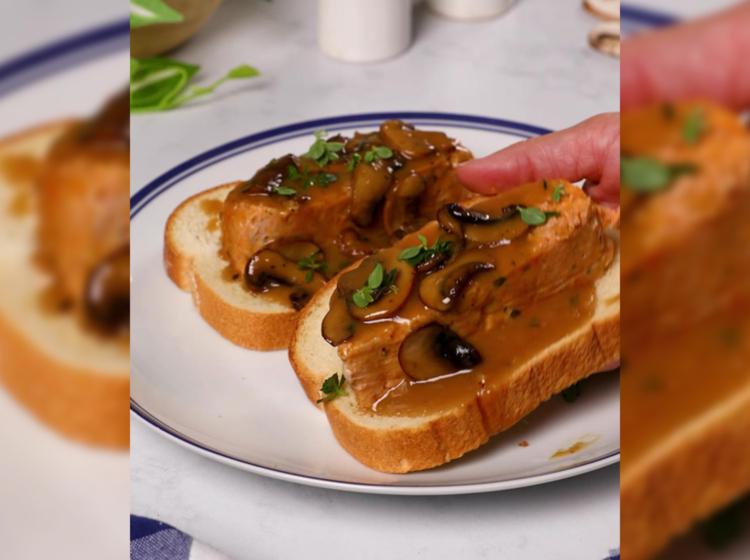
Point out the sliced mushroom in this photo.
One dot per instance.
(338, 324)
(413, 143)
(441, 289)
(402, 206)
(605, 37)
(479, 226)
(107, 296)
(605, 9)
(370, 182)
(434, 351)
(268, 269)
(386, 303)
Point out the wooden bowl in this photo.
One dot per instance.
(157, 39)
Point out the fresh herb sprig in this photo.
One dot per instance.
(378, 283)
(373, 154)
(161, 84)
(149, 12)
(422, 252)
(322, 179)
(558, 193)
(311, 264)
(322, 151)
(535, 216)
(333, 387)
(695, 125)
(283, 191)
(648, 175)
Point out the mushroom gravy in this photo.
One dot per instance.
(84, 232)
(449, 332)
(299, 221)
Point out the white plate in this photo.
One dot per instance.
(60, 499)
(246, 408)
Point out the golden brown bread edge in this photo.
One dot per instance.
(245, 328)
(694, 474)
(75, 402)
(433, 441)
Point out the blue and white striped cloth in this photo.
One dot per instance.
(154, 540)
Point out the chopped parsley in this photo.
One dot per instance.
(354, 162)
(377, 284)
(648, 175)
(312, 265)
(724, 528)
(558, 193)
(322, 179)
(324, 152)
(373, 154)
(333, 387)
(535, 216)
(284, 191)
(694, 126)
(415, 255)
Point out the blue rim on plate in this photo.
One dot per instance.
(173, 177)
(61, 55)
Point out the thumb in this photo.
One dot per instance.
(589, 150)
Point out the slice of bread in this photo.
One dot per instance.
(76, 382)
(403, 444)
(703, 467)
(191, 258)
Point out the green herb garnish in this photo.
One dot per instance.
(322, 179)
(284, 191)
(415, 255)
(648, 175)
(149, 12)
(572, 393)
(378, 283)
(535, 216)
(378, 152)
(558, 193)
(158, 84)
(354, 162)
(312, 265)
(324, 152)
(694, 126)
(333, 387)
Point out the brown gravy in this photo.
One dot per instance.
(663, 387)
(510, 343)
(536, 287)
(588, 441)
(347, 209)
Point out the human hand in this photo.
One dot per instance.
(589, 150)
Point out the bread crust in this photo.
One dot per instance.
(243, 327)
(677, 485)
(84, 405)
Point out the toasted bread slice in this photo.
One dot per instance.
(76, 382)
(403, 444)
(192, 242)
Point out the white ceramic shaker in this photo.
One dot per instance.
(470, 9)
(364, 30)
